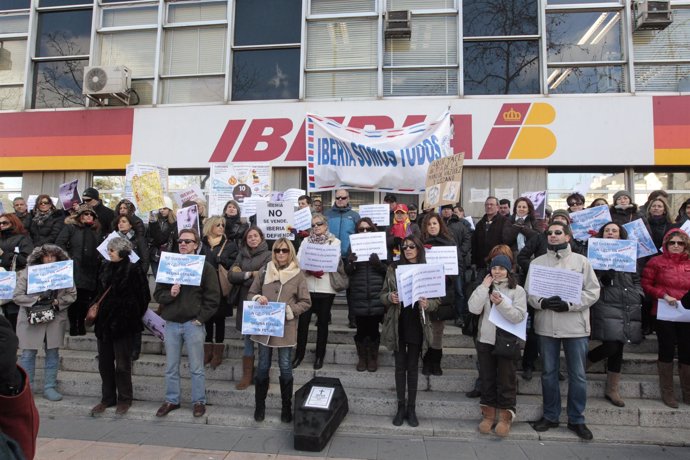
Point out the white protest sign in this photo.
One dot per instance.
(319, 257)
(637, 231)
(589, 219)
(180, 269)
(193, 193)
(549, 282)
(444, 255)
(404, 283)
(686, 227)
(292, 194)
(103, 249)
(275, 219)
(378, 213)
(424, 280)
(668, 312)
(266, 319)
(248, 206)
(302, 219)
(610, 254)
(8, 281)
(498, 320)
(367, 243)
(44, 277)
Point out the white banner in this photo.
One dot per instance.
(275, 219)
(319, 257)
(387, 159)
(365, 244)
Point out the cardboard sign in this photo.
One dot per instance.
(444, 181)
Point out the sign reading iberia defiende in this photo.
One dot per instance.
(385, 159)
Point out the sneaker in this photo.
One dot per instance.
(581, 430)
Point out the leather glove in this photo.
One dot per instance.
(289, 315)
(352, 258)
(303, 234)
(606, 277)
(592, 232)
(317, 274)
(374, 259)
(555, 304)
(10, 377)
(428, 246)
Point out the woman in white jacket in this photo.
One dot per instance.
(498, 374)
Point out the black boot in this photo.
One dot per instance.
(260, 392)
(302, 336)
(286, 398)
(400, 415)
(411, 415)
(412, 380)
(436, 362)
(426, 362)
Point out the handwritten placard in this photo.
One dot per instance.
(319, 257)
(589, 219)
(44, 277)
(378, 213)
(8, 282)
(103, 249)
(444, 255)
(180, 269)
(610, 254)
(275, 219)
(444, 181)
(549, 282)
(302, 219)
(365, 244)
(266, 319)
(638, 231)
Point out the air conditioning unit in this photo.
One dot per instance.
(652, 15)
(398, 24)
(106, 80)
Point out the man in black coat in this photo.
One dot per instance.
(487, 234)
(106, 216)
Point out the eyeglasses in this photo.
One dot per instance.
(670, 243)
(554, 232)
(5, 223)
(181, 241)
(405, 247)
(44, 202)
(87, 200)
(341, 198)
(365, 229)
(281, 250)
(575, 203)
(316, 224)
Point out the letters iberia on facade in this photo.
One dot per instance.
(626, 130)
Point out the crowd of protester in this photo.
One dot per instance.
(494, 260)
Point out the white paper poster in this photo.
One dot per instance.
(177, 268)
(44, 277)
(504, 193)
(498, 320)
(637, 231)
(421, 280)
(478, 195)
(444, 255)
(319, 257)
(103, 249)
(266, 319)
(589, 219)
(292, 194)
(367, 243)
(275, 219)
(302, 219)
(667, 312)
(237, 181)
(378, 213)
(610, 254)
(549, 282)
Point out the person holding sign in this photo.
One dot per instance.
(406, 331)
(49, 335)
(162, 233)
(185, 309)
(435, 233)
(616, 317)
(624, 210)
(15, 247)
(281, 280)
(559, 322)
(666, 277)
(498, 373)
(322, 295)
(366, 280)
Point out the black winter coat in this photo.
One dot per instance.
(8, 243)
(48, 231)
(366, 282)
(485, 237)
(126, 302)
(617, 315)
(235, 228)
(162, 236)
(81, 244)
(449, 298)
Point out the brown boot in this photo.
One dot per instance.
(684, 372)
(611, 392)
(488, 418)
(361, 355)
(505, 420)
(208, 353)
(217, 356)
(666, 384)
(373, 356)
(247, 372)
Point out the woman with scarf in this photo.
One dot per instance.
(15, 247)
(234, 225)
(281, 280)
(47, 221)
(659, 218)
(436, 233)
(322, 294)
(126, 297)
(253, 255)
(80, 238)
(127, 208)
(406, 331)
(162, 234)
(400, 228)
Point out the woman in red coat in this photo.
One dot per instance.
(667, 277)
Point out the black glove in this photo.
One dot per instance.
(10, 377)
(352, 258)
(554, 303)
(374, 259)
(606, 277)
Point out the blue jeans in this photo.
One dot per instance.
(284, 362)
(193, 337)
(575, 359)
(248, 346)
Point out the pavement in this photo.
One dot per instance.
(79, 437)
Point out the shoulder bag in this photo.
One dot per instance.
(223, 274)
(339, 279)
(41, 312)
(507, 345)
(92, 314)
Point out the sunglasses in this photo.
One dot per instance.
(317, 224)
(44, 202)
(279, 250)
(575, 203)
(364, 229)
(341, 198)
(5, 223)
(180, 241)
(405, 247)
(670, 243)
(87, 200)
(554, 232)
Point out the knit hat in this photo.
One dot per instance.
(90, 193)
(561, 213)
(501, 261)
(621, 193)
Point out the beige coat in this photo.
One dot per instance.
(290, 288)
(480, 304)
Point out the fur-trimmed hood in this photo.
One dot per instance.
(46, 250)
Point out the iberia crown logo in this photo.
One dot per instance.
(519, 133)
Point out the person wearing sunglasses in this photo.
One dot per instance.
(342, 219)
(185, 309)
(15, 247)
(281, 280)
(47, 221)
(406, 331)
(322, 295)
(616, 317)
(91, 198)
(575, 202)
(80, 237)
(366, 275)
(561, 323)
(667, 277)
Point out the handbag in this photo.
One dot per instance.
(471, 325)
(507, 345)
(442, 313)
(92, 314)
(41, 312)
(339, 279)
